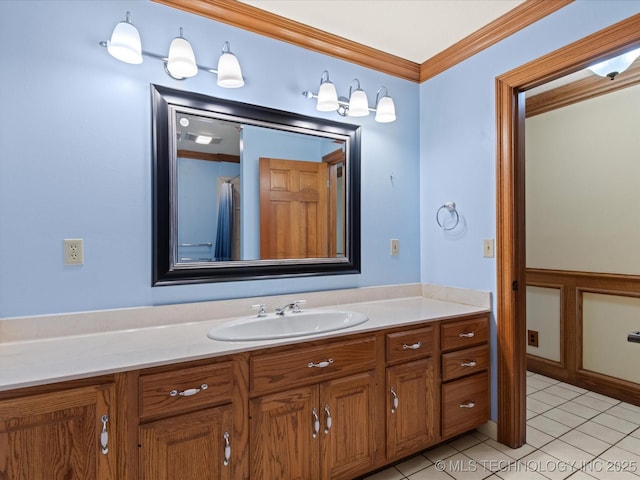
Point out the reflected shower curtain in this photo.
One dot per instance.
(225, 223)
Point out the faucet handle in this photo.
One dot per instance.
(296, 305)
(261, 309)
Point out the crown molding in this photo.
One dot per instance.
(528, 12)
(580, 90)
(265, 23)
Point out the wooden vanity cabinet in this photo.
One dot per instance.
(465, 374)
(59, 435)
(186, 426)
(411, 392)
(312, 415)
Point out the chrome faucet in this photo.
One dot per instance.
(294, 307)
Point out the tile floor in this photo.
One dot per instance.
(571, 433)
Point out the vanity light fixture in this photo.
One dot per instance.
(180, 63)
(616, 65)
(356, 105)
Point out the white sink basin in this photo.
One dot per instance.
(306, 322)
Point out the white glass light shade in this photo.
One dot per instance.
(615, 65)
(229, 72)
(125, 44)
(181, 62)
(385, 110)
(327, 97)
(358, 104)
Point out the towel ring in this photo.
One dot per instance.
(451, 207)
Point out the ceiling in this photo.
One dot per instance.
(415, 30)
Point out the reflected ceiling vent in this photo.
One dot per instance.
(202, 139)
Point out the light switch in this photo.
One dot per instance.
(488, 248)
(395, 246)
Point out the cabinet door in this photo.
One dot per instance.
(284, 435)
(348, 426)
(411, 425)
(56, 436)
(187, 447)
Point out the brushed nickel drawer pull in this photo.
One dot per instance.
(316, 423)
(329, 421)
(188, 392)
(324, 364)
(470, 363)
(395, 400)
(227, 449)
(468, 405)
(467, 334)
(415, 346)
(104, 435)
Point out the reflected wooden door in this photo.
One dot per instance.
(293, 209)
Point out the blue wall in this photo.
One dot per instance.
(75, 130)
(458, 142)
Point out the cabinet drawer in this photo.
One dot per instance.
(271, 372)
(410, 345)
(465, 362)
(184, 389)
(464, 333)
(465, 404)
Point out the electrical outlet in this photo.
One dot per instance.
(395, 246)
(532, 338)
(73, 251)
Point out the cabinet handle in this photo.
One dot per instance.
(104, 435)
(324, 364)
(227, 449)
(471, 363)
(316, 423)
(329, 422)
(467, 334)
(415, 346)
(395, 400)
(468, 405)
(188, 392)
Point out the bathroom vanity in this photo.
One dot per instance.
(333, 406)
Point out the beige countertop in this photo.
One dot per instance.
(35, 361)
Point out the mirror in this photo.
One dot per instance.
(247, 192)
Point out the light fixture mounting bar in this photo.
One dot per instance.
(164, 59)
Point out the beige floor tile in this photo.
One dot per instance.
(549, 426)
(572, 387)
(604, 398)
(592, 402)
(462, 467)
(546, 465)
(520, 472)
(630, 444)
(636, 433)
(621, 459)
(413, 465)
(614, 422)
(548, 398)
(489, 457)
(531, 414)
(430, 473)
(564, 417)
(579, 409)
(388, 474)
(629, 406)
(562, 392)
(537, 406)
(625, 414)
(515, 453)
(601, 432)
(439, 453)
(580, 475)
(542, 378)
(585, 442)
(465, 442)
(567, 453)
(536, 438)
(536, 384)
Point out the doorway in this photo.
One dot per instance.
(510, 209)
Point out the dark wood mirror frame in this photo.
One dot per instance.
(165, 272)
